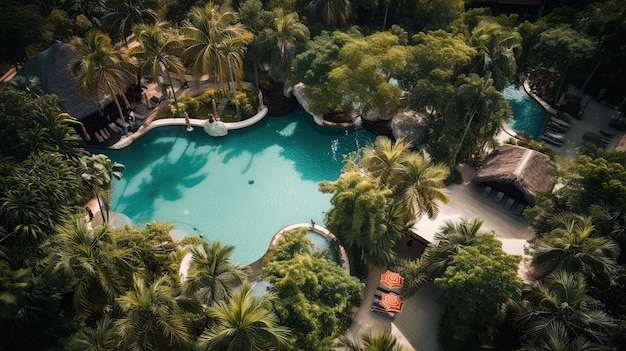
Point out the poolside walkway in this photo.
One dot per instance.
(596, 117)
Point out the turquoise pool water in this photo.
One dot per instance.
(239, 189)
(528, 115)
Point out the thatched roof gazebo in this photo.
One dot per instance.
(518, 172)
(51, 66)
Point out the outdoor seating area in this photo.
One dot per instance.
(387, 301)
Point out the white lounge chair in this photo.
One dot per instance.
(98, 136)
(105, 133)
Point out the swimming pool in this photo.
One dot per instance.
(239, 189)
(528, 116)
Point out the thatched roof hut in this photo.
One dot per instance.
(519, 172)
(51, 66)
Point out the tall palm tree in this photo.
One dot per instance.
(359, 216)
(332, 13)
(573, 247)
(244, 322)
(498, 49)
(371, 341)
(207, 31)
(154, 316)
(94, 10)
(158, 52)
(420, 185)
(101, 70)
(561, 301)
(91, 264)
(478, 101)
(103, 337)
(281, 41)
(385, 158)
(212, 277)
(97, 173)
(123, 15)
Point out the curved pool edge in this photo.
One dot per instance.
(198, 123)
(546, 106)
(255, 267)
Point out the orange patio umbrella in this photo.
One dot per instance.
(392, 280)
(391, 302)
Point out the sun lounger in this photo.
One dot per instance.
(498, 197)
(509, 203)
(381, 288)
(607, 133)
(105, 133)
(487, 191)
(115, 128)
(381, 310)
(120, 122)
(98, 136)
(519, 208)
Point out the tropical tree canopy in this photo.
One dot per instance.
(314, 294)
(363, 71)
(214, 40)
(211, 276)
(474, 291)
(244, 322)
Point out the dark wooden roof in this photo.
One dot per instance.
(51, 66)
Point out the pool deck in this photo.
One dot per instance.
(596, 116)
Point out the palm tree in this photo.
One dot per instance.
(94, 10)
(100, 70)
(573, 247)
(560, 301)
(207, 32)
(498, 49)
(385, 158)
(90, 262)
(158, 52)
(97, 172)
(125, 14)
(420, 185)
(212, 277)
(372, 341)
(359, 216)
(101, 338)
(244, 322)
(477, 99)
(216, 43)
(447, 242)
(154, 316)
(281, 41)
(556, 337)
(332, 13)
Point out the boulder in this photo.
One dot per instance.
(412, 126)
(216, 128)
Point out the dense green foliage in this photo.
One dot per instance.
(314, 294)
(377, 198)
(474, 290)
(100, 287)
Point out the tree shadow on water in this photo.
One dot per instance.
(167, 179)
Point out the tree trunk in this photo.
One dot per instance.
(458, 148)
(119, 107)
(230, 69)
(169, 79)
(101, 208)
